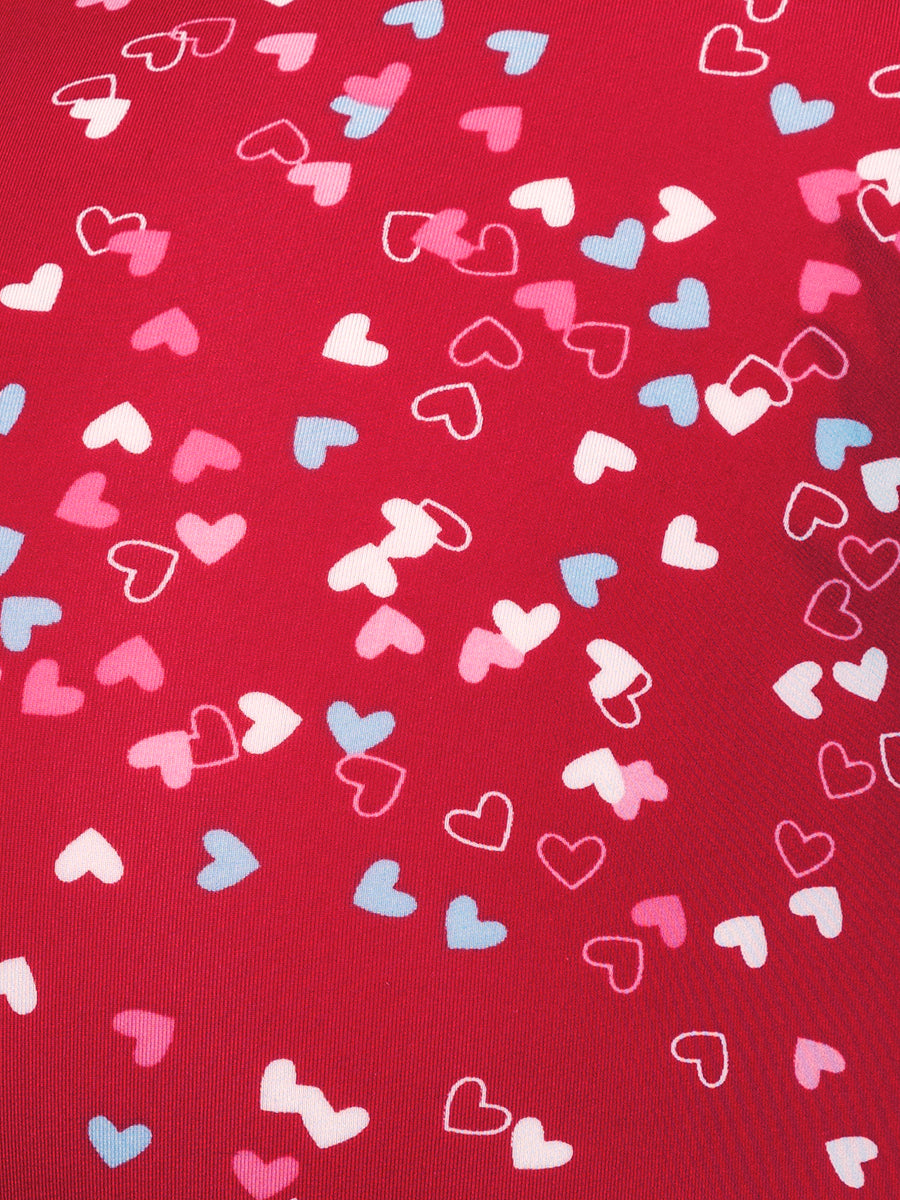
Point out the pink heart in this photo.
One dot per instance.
(208, 542)
(42, 695)
(328, 180)
(200, 450)
(554, 839)
(171, 752)
(439, 235)
(555, 299)
(262, 1179)
(820, 280)
(109, 5)
(384, 90)
(81, 505)
(152, 1034)
(501, 258)
(482, 649)
(134, 659)
(621, 957)
(667, 914)
(172, 328)
(294, 50)
(821, 189)
(640, 784)
(502, 125)
(811, 1059)
(387, 627)
(147, 248)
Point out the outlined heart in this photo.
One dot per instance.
(496, 253)
(94, 247)
(724, 53)
(456, 405)
(828, 612)
(486, 340)
(816, 849)
(462, 1114)
(605, 344)
(809, 507)
(566, 863)
(376, 782)
(869, 566)
(842, 777)
(473, 828)
(132, 559)
(622, 958)
(281, 140)
(709, 1055)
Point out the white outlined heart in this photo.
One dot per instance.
(482, 1103)
(385, 234)
(130, 573)
(698, 1062)
(445, 416)
(111, 220)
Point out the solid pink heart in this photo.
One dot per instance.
(133, 659)
(81, 505)
(666, 913)
(172, 328)
(44, 696)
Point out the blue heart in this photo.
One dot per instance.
(678, 393)
(356, 734)
(313, 436)
(116, 1147)
(12, 401)
(689, 311)
(19, 613)
(623, 249)
(364, 118)
(10, 545)
(425, 16)
(834, 435)
(376, 892)
(793, 115)
(466, 932)
(522, 48)
(580, 574)
(232, 861)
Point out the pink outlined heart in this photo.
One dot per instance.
(609, 965)
(185, 28)
(826, 598)
(805, 839)
(868, 583)
(163, 41)
(857, 769)
(131, 572)
(487, 326)
(512, 269)
(548, 839)
(359, 786)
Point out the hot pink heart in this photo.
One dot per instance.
(382, 90)
(152, 1033)
(387, 627)
(262, 1179)
(146, 247)
(555, 299)
(439, 235)
(134, 659)
(667, 914)
(81, 505)
(502, 125)
(819, 281)
(172, 328)
(200, 450)
(821, 191)
(42, 695)
(483, 649)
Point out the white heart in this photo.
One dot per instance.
(366, 565)
(279, 1091)
(865, 679)
(846, 1154)
(596, 452)
(414, 532)
(17, 985)
(824, 904)
(111, 220)
(599, 768)
(736, 413)
(325, 1126)
(530, 1152)
(795, 688)
(554, 197)
(618, 669)
(273, 721)
(687, 215)
(90, 853)
(881, 480)
(525, 630)
(883, 164)
(347, 343)
(103, 115)
(37, 296)
(681, 548)
(122, 424)
(748, 934)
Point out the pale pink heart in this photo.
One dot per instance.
(171, 752)
(666, 913)
(811, 1059)
(42, 695)
(200, 450)
(382, 90)
(109, 5)
(328, 180)
(152, 1034)
(208, 542)
(387, 627)
(134, 659)
(262, 1179)
(820, 281)
(172, 328)
(439, 235)
(483, 649)
(502, 125)
(555, 299)
(81, 505)
(294, 50)
(821, 191)
(640, 784)
(146, 248)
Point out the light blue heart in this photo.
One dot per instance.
(793, 115)
(466, 932)
(522, 47)
(10, 545)
(313, 436)
(18, 614)
(678, 393)
(689, 311)
(356, 734)
(425, 16)
(580, 573)
(114, 1146)
(834, 435)
(623, 249)
(232, 861)
(376, 892)
(12, 401)
(364, 118)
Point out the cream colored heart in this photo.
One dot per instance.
(596, 452)
(687, 215)
(90, 853)
(554, 197)
(681, 548)
(37, 296)
(736, 413)
(122, 424)
(882, 164)
(525, 630)
(348, 343)
(273, 721)
(600, 770)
